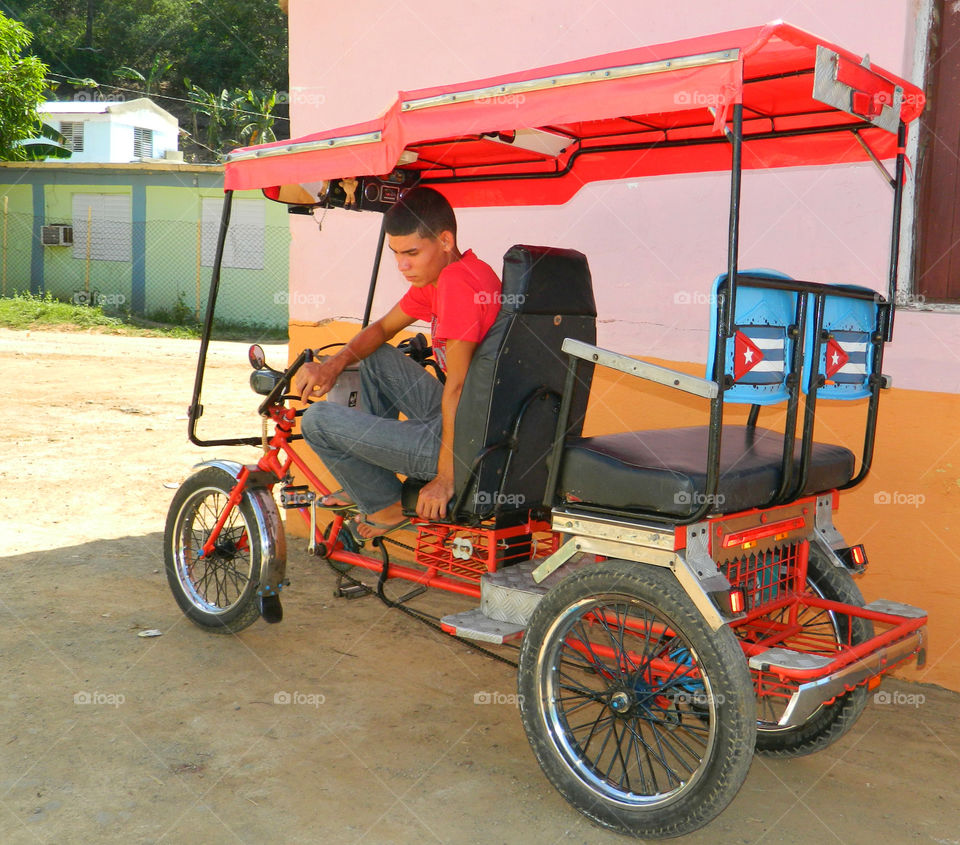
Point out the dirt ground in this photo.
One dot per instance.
(110, 737)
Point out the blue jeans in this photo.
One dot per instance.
(366, 447)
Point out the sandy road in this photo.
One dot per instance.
(109, 737)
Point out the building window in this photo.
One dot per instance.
(110, 234)
(73, 135)
(142, 142)
(245, 237)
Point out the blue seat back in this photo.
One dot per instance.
(758, 355)
(846, 359)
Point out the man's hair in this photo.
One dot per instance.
(421, 210)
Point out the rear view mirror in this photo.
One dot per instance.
(257, 356)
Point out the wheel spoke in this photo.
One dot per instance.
(621, 674)
(214, 582)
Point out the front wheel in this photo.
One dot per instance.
(639, 714)
(216, 591)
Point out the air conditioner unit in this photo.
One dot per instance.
(57, 234)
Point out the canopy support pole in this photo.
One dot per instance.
(375, 273)
(195, 411)
(895, 231)
(733, 237)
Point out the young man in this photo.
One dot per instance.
(365, 447)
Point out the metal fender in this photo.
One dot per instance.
(273, 539)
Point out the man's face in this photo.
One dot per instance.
(420, 259)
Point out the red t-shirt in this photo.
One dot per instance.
(462, 305)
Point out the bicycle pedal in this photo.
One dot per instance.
(416, 591)
(297, 496)
(352, 591)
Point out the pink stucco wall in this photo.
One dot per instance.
(654, 246)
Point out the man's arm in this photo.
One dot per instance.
(434, 496)
(313, 380)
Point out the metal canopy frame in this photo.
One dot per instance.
(742, 131)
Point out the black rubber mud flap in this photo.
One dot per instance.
(270, 609)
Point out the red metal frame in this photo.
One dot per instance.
(441, 568)
(772, 577)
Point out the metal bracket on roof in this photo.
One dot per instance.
(304, 147)
(835, 81)
(561, 80)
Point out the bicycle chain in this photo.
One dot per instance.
(426, 618)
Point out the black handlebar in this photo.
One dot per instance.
(277, 394)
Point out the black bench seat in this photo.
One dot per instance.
(664, 471)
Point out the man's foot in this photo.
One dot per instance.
(380, 522)
(337, 499)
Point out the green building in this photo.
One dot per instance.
(141, 237)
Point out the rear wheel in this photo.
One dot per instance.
(830, 721)
(216, 591)
(638, 713)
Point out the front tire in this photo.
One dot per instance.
(638, 713)
(217, 592)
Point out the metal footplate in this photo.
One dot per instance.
(787, 658)
(511, 595)
(507, 601)
(895, 608)
(813, 693)
(475, 625)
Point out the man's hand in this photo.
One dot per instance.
(432, 503)
(314, 379)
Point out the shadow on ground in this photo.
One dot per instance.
(351, 722)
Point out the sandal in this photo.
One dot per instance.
(383, 528)
(336, 506)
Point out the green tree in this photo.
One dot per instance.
(256, 118)
(21, 89)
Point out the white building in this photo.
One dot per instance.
(114, 132)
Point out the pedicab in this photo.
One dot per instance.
(680, 597)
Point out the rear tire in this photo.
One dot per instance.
(830, 721)
(217, 592)
(638, 713)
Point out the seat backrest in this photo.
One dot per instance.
(547, 296)
(846, 352)
(757, 357)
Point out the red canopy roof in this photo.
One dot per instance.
(537, 136)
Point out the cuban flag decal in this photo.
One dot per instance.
(836, 358)
(759, 355)
(845, 358)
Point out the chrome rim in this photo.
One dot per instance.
(625, 702)
(215, 583)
